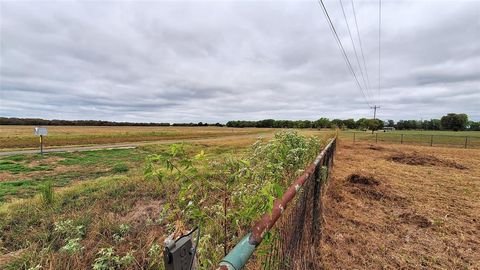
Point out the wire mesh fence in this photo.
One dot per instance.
(417, 139)
(291, 232)
(296, 236)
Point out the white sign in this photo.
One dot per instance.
(40, 131)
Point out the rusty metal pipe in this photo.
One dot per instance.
(239, 255)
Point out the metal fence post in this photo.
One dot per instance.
(401, 139)
(466, 142)
(431, 141)
(41, 145)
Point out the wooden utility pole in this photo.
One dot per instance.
(375, 107)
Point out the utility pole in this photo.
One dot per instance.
(375, 107)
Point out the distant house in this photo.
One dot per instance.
(385, 129)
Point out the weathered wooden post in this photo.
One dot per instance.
(401, 138)
(466, 142)
(376, 137)
(431, 140)
(353, 137)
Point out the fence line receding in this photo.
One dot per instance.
(417, 139)
(292, 228)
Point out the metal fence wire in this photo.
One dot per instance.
(416, 139)
(291, 232)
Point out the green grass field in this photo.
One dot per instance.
(23, 175)
(435, 138)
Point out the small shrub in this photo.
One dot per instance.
(73, 246)
(122, 231)
(120, 168)
(47, 193)
(107, 259)
(155, 255)
(66, 229)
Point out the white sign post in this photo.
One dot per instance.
(41, 131)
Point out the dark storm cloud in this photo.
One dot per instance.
(216, 61)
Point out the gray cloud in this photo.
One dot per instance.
(222, 60)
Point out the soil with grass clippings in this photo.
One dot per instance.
(380, 213)
(375, 147)
(416, 158)
(415, 219)
(362, 179)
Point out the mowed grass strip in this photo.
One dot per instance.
(415, 212)
(21, 176)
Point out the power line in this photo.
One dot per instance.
(339, 43)
(379, 46)
(355, 50)
(361, 46)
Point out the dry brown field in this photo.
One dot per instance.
(14, 137)
(402, 207)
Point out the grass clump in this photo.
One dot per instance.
(47, 193)
(120, 168)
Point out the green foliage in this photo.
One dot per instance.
(14, 167)
(362, 123)
(174, 162)
(155, 256)
(72, 246)
(337, 123)
(69, 233)
(120, 168)
(322, 123)
(47, 193)
(474, 126)
(374, 124)
(269, 170)
(122, 231)
(108, 260)
(455, 122)
(67, 229)
(246, 186)
(349, 123)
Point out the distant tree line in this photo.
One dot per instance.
(362, 123)
(450, 121)
(55, 122)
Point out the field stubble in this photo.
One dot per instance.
(16, 137)
(399, 206)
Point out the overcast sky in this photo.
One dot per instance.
(221, 60)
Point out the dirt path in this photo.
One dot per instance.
(127, 145)
(405, 207)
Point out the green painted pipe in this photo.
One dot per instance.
(238, 257)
